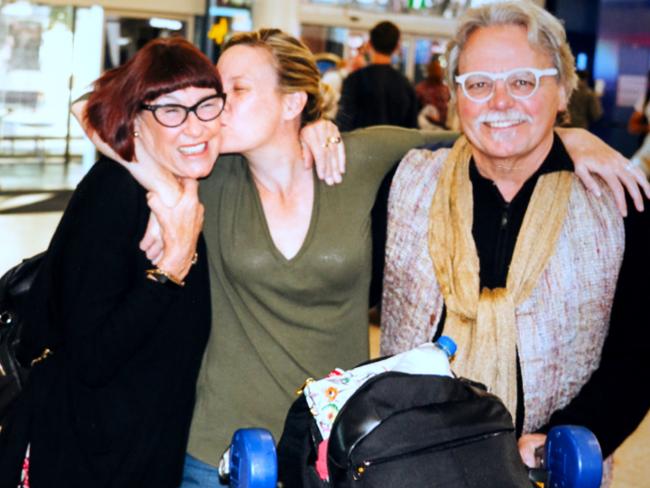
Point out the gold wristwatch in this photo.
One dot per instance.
(163, 277)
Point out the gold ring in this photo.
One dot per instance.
(331, 140)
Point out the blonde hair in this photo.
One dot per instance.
(293, 62)
(545, 32)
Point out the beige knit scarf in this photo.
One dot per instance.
(482, 322)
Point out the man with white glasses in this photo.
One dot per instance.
(497, 244)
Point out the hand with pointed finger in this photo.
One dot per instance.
(323, 146)
(180, 227)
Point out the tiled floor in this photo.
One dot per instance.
(22, 235)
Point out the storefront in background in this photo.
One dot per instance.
(49, 55)
(342, 26)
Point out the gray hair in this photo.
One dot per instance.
(545, 32)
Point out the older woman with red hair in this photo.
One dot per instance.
(112, 406)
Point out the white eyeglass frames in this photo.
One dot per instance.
(521, 83)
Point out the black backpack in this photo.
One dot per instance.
(14, 288)
(402, 430)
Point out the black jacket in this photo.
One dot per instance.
(112, 406)
(377, 95)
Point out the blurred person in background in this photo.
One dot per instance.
(378, 94)
(433, 97)
(584, 106)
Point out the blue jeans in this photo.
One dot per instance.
(197, 474)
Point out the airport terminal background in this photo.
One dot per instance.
(50, 51)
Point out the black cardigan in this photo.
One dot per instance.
(112, 406)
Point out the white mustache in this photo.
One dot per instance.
(495, 116)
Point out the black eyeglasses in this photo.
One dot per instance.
(173, 115)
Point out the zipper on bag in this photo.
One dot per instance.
(361, 468)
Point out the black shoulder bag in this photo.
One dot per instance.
(14, 287)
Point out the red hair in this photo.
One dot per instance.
(161, 66)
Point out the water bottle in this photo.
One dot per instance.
(428, 358)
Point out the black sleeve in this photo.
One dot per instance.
(347, 111)
(103, 304)
(616, 398)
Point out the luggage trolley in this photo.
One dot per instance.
(571, 458)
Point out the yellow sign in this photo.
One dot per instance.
(218, 31)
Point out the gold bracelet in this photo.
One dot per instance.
(163, 277)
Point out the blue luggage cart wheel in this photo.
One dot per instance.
(253, 460)
(573, 458)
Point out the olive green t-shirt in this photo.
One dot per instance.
(278, 321)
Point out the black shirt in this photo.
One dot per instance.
(377, 95)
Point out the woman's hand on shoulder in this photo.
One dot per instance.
(323, 147)
(180, 226)
(591, 156)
